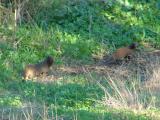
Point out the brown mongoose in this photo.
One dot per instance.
(121, 53)
(35, 70)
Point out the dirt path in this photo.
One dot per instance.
(143, 65)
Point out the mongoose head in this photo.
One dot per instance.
(133, 45)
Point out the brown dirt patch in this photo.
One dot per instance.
(143, 65)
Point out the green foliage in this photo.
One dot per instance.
(10, 101)
(67, 98)
(79, 29)
(68, 95)
(111, 115)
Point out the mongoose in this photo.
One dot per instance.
(35, 70)
(122, 53)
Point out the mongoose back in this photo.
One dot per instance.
(34, 70)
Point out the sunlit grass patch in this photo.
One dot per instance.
(10, 101)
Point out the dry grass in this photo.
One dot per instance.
(143, 74)
(30, 112)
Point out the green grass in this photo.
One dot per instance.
(69, 99)
(73, 32)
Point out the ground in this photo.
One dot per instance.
(130, 85)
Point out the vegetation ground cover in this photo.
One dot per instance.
(78, 33)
